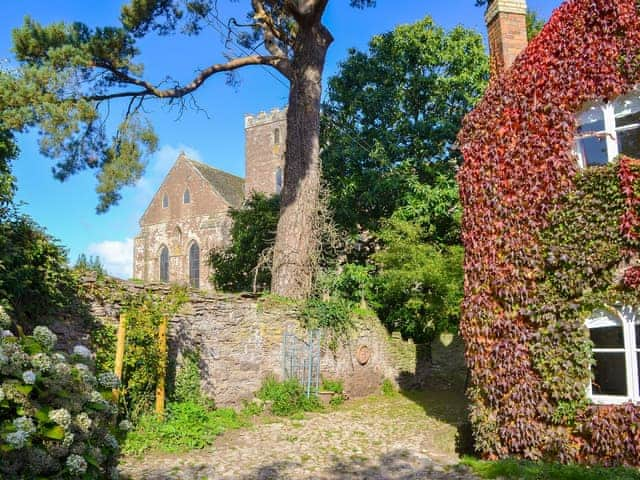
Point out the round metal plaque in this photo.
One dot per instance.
(363, 354)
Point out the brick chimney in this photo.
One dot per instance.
(507, 25)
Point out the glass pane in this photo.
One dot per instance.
(627, 109)
(607, 337)
(629, 142)
(609, 374)
(591, 120)
(593, 150)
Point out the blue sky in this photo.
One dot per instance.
(67, 209)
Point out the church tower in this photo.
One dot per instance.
(265, 136)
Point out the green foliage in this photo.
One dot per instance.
(534, 24)
(141, 360)
(8, 152)
(56, 418)
(288, 398)
(188, 426)
(418, 287)
(34, 277)
(186, 387)
(388, 388)
(522, 470)
(393, 115)
(331, 385)
(92, 264)
(252, 233)
(333, 315)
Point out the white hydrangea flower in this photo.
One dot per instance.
(83, 421)
(1, 394)
(111, 442)
(67, 441)
(125, 425)
(41, 362)
(61, 417)
(58, 357)
(25, 424)
(81, 367)
(5, 319)
(3, 359)
(6, 334)
(29, 377)
(82, 351)
(17, 439)
(76, 464)
(45, 337)
(114, 474)
(108, 380)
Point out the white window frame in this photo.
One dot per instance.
(627, 317)
(610, 131)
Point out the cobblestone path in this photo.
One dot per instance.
(396, 438)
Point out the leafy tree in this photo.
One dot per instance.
(93, 264)
(252, 234)
(393, 115)
(8, 152)
(34, 277)
(69, 73)
(534, 24)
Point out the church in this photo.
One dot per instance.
(189, 214)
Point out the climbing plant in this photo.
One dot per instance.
(545, 244)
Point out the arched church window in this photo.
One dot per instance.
(164, 264)
(194, 265)
(278, 180)
(276, 136)
(186, 197)
(165, 201)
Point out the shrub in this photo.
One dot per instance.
(56, 417)
(288, 397)
(388, 388)
(188, 425)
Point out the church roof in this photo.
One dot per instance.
(229, 186)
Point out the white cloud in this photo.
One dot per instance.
(116, 256)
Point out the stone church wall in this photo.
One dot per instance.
(262, 155)
(239, 339)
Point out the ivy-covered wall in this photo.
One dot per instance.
(546, 244)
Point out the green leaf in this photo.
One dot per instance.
(55, 433)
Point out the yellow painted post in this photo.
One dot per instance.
(119, 361)
(162, 366)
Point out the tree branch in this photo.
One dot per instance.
(281, 64)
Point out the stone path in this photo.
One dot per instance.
(397, 438)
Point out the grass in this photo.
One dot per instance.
(288, 398)
(188, 426)
(524, 470)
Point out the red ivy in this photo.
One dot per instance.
(517, 162)
(630, 220)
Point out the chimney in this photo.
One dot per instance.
(507, 25)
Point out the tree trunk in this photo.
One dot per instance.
(296, 245)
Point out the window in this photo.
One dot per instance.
(615, 334)
(165, 201)
(607, 130)
(278, 180)
(186, 196)
(276, 136)
(194, 265)
(164, 264)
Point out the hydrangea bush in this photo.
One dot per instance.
(57, 420)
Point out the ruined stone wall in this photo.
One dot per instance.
(263, 156)
(239, 339)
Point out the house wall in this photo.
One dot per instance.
(204, 220)
(262, 156)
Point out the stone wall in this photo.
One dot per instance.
(263, 156)
(239, 339)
